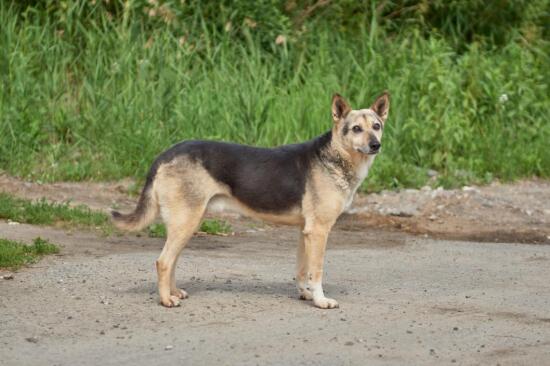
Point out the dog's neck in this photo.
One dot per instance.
(348, 170)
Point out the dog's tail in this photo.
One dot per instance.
(146, 210)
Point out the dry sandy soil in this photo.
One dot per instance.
(422, 277)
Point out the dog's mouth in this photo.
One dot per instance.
(367, 151)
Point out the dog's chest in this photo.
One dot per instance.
(361, 174)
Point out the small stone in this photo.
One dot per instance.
(168, 348)
(8, 276)
(455, 328)
(349, 343)
(32, 339)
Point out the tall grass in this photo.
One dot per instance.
(100, 99)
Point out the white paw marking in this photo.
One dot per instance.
(325, 303)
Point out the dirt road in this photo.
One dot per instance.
(404, 299)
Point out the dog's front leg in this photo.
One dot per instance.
(315, 245)
(301, 270)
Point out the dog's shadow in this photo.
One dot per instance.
(248, 286)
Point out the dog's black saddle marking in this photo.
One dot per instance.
(267, 180)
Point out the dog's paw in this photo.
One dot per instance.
(179, 293)
(325, 303)
(306, 295)
(171, 302)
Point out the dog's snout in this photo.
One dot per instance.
(374, 145)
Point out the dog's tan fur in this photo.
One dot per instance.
(183, 191)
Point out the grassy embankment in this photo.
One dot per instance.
(96, 97)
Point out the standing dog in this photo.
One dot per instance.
(308, 185)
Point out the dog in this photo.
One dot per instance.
(307, 185)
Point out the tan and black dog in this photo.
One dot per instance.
(308, 185)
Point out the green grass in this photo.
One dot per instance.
(14, 254)
(209, 226)
(87, 98)
(157, 230)
(216, 227)
(42, 212)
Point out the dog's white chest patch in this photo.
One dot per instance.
(363, 170)
(362, 173)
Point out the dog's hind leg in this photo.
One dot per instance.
(301, 270)
(181, 222)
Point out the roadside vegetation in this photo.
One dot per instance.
(14, 254)
(95, 90)
(208, 226)
(42, 212)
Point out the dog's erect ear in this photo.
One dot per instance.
(340, 108)
(382, 105)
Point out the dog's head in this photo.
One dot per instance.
(359, 132)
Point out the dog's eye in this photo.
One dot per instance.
(357, 129)
(376, 126)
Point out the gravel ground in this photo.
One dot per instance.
(404, 300)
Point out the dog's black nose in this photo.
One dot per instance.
(374, 146)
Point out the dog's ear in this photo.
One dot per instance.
(340, 108)
(382, 105)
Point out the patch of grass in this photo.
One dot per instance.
(208, 226)
(14, 254)
(157, 230)
(42, 212)
(216, 227)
